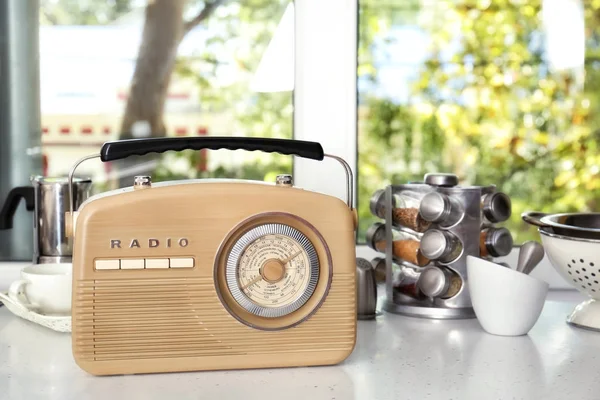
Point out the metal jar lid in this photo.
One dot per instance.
(497, 207)
(433, 282)
(499, 242)
(439, 179)
(378, 264)
(376, 202)
(436, 244)
(374, 234)
(435, 207)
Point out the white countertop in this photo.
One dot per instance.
(396, 357)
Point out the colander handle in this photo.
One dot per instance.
(535, 218)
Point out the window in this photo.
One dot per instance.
(118, 69)
(498, 92)
(199, 67)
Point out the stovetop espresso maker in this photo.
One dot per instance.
(48, 198)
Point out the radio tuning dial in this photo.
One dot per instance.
(272, 270)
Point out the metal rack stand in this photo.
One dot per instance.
(467, 230)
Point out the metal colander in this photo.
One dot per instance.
(584, 274)
(576, 260)
(572, 243)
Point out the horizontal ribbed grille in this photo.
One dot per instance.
(183, 317)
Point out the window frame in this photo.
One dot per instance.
(325, 91)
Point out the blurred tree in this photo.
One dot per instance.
(164, 28)
(243, 28)
(240, 31)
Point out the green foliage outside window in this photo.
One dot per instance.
(501, 118)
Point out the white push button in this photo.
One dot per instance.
(132, 264)
(107, 264)
(182, 262)
(157, 263)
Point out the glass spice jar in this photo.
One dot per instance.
(405, 211)
(379, 266)
(440, 245)
(441, 209)
(439, 282)
(495, 242)
(495, 206)
(404, 279)
(407, 283)
(404, 245)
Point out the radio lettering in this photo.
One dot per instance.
(152, 243)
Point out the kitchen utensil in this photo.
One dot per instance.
(530, 255)
(54, 322)
(577, 260)
(211, 282)
(506, 302)
(45, 289)
(582, 225)
(49, 199)
(366, 290)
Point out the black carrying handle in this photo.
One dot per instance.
(124, 148)
(12, 202)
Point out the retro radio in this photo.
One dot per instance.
(212, 274)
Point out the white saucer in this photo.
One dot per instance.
(54, 322)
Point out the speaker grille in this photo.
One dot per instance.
(131, 319)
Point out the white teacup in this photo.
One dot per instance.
(44, 288)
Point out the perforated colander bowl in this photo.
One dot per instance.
(577, 260)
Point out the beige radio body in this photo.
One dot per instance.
(148, 291)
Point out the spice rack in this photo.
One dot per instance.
(428, 231)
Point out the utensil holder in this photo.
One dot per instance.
(467, 229)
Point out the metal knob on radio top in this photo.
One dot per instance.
(428, 231)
